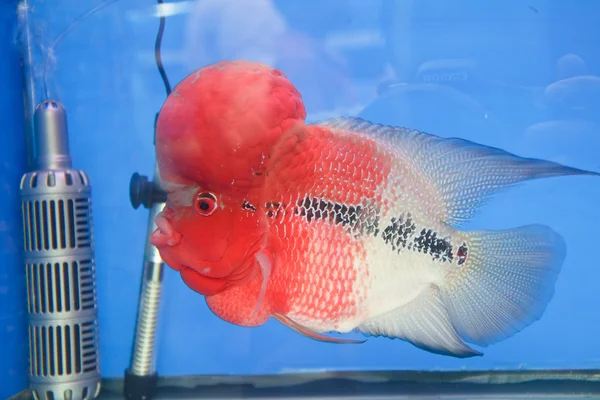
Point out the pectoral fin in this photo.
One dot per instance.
(312, 334)
(265, 261)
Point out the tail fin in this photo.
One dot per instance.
(505, 283)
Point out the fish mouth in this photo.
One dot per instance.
(164, 235)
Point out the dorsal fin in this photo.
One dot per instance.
(465, 173)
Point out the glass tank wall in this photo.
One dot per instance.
(518, 75)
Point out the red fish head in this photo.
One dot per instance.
(220, 123)
(214, 136)
(211, 238)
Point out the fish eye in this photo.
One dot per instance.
(206, 203)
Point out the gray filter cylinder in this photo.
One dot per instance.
(60, 267)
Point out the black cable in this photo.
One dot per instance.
(159, 64)
(141, 191)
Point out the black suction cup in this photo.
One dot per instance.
(142, 191)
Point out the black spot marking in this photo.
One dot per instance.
(427, 242)
(361, 221)
(399, 231)
(401, 234)
(274, 209)
(248, 206)
(462, 254)
(358, 219)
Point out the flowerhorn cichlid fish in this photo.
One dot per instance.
(343, 225)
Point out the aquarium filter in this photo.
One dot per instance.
(60, 266)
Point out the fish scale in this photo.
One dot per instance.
(363, 254)
(312, 282)
(319, 151)
(311, 249)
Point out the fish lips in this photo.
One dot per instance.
(164, 235)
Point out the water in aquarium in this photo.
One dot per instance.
(244, 192)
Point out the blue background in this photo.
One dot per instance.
(13, 314)
(388, 61)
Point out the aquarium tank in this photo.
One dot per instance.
(309, 199)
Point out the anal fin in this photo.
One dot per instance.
(425, 323)
(312, 334)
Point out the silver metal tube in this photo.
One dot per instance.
(143, 357)
(141, 377)
(51, 137)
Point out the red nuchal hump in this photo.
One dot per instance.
(221, 121)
